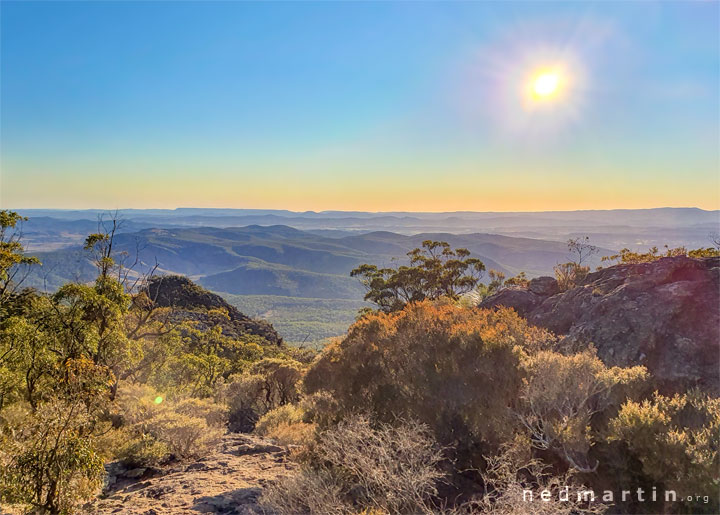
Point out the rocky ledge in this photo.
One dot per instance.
(664, 315)
(229, 480)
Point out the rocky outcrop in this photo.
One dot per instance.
(664, 315)
(229, 480)
(191, 302)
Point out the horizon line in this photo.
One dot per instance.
(326, 211)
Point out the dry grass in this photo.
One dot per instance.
(390, 469)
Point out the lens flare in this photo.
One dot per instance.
(546, 84)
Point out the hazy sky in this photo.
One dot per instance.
(369, 106)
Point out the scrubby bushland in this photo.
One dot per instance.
(99, 371)
(513, 473)
(482, 380)
(676, 440)
(158, 429)
(356, 466)
(560, 395)
(456, 370)
(286, 425)
(268, 384)
(626, 256)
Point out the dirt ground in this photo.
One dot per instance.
(228, 480)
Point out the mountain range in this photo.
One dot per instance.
(293, 268)
(280, 260)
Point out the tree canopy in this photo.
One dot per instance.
(435, 271)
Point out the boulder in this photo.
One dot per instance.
(664, 315)
(544, 286)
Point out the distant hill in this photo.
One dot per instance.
(637, 229)
(191, 302)
(292, 269)
(280, 260)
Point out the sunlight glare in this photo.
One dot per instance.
(546, 84)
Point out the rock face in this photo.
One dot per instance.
(664, 315)
(230, 479)
(192, 300)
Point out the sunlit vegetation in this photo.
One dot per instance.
(426, 405)
(626, 256)
(98, 371)
(302, 322)
(435, 271)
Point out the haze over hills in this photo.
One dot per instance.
(634, 228)
(284, 271)
(280, 260)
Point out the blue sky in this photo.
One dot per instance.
(371, 106)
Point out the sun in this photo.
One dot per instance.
(545, 84)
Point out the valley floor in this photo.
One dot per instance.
(228, 480)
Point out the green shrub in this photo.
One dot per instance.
(677, 440)
(185, 436)
(560, 395)
(287, 414)
(184, 428)
(286, 425)
(269, 384)
(456, 370)
(143, 451)
(48, 460)
(215, 415)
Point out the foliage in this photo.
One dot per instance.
(569, 275)
(561, 393)
(65, 356)
(160, 428)
(626, 256)
(12, 252)
(512, 472)
(572, 273)
(456, 370)
(142, 451)
(581, 249)
(520, 280)
(48, 459)
(435, 271)
(496, 283)
(354, 467)
(677, 440)
(269, 384)
(286, 425)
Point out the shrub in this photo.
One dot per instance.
(570, 275)
(456, 370)
(285, 425)
(143, 451)
(183, 428)
(626, 256)
(185, 436)
(677, 440)
(270, 383)
(435, 271)
(561, 393)
(280, 378)
(513, 472)
(321, 408)
(49, 461)
(213, 413)
(243, 396)
(392, 469)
